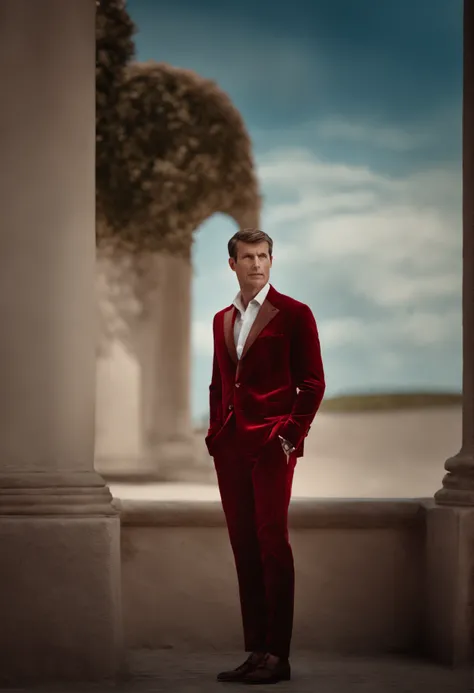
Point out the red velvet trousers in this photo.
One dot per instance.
(255, 490)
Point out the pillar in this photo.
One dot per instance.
(164, 354)
(60, 601)
(458, 483)
(449, 552)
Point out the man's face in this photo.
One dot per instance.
(252, 266)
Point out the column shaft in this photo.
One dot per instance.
(458, 483)
(47, 244)
(164, 351)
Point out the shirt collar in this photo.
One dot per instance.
(259, 298)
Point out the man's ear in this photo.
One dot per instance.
(232, 264)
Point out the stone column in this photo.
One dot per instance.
(164, 355)
(60, 604)
(458, 483)
(449, 588)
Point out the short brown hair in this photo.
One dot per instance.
(248, 236)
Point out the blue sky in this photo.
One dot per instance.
(354, 109)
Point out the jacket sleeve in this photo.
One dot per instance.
(307, 368)
(215, 393)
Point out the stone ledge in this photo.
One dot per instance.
(311, 513)
(82, 494)
(40, 480)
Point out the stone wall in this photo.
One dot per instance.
(359, 576)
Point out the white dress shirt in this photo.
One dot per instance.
(246, 317)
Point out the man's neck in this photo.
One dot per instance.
(247, 296)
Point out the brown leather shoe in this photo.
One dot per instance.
(269, 671)
(238, 675)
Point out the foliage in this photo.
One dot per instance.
(182, 154)
(114, 50)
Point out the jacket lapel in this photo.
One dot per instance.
(266, 313)
(229, 320)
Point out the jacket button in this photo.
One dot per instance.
(231, 406)
(237, 384)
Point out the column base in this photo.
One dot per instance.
(450, 585)
(458, 483)
(455, 496)
(60, 493)
(60, 592)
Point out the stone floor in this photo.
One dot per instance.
(172, 672)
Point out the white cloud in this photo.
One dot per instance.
(298, 169)
(389, 290)
(394, 242)
(418, 329)
(343, 331)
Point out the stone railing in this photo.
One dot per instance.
(360, 571)
(371, 577)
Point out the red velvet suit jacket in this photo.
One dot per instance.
(278, 384)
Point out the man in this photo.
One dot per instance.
(267, 385)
